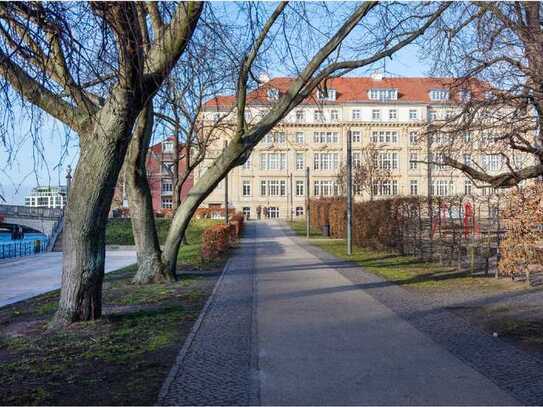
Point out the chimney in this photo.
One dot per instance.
(263, 77)
(377, 75)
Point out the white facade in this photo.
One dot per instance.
(46, 197)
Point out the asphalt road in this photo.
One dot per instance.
(25, 277)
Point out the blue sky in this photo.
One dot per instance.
(25, 169)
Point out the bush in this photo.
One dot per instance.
(217, 239)
(377, 224)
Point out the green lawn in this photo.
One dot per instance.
(119, 232)
(121, 359)
(403, 270)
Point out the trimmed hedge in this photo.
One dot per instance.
(377, 224)
(217, 239)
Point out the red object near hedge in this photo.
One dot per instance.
(217, 239)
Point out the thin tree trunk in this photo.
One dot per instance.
(197, 194)
(150, 266)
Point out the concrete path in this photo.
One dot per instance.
(25, 277)
(313, 337)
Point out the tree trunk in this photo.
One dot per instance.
(197, 194)
(150, 266)
(101, 157)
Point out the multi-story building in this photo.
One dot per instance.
(160, 169)
(46, 197)
(390, 114)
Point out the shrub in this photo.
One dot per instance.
(215, 241)
(521, 246)
(377, 224)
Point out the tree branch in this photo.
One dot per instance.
(170, 44)
(37, 94)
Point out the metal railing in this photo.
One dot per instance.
(22, 248)
(25, 211)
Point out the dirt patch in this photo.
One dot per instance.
(120, 360)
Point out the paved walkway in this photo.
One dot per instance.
(25, 277)
(291, 325)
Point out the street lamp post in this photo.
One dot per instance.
(226, 191)
(349, 195)
(307, 215)
(68, 181)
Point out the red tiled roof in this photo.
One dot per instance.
(355, 89)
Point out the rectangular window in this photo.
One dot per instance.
(439, 94)
(383, 94)
(273, 187)
(355, 136)
(300, 188)
(166, 203)
(432, 115)
(383, 136)
(247, 164)
(467, 159)
(467, 186)
(414, 187)
(438, 161)
(387, 160)
(385, 187)
(413, 161)
(442, 187)
(299, 137)
(326, 188)
(326, 94)
(334, 115)
(273, 161)
(167, 147)
(325, 137)
(491, 162)
(413, 114)
(375, 114)
(278, 138)
(166, 186)
(300, 161)
(325, 161)
(392, 114)
(413, 137)
(356, 114)
(300, 116)
(467, 137)
(299, 211)
(318, 115)
(246, 188)
(356, 159)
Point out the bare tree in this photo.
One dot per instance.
(326, 60)
(494, 132)
(177, 112)
(86, 64)
(367, 171)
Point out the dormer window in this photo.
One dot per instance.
(167, 147)
(439, 94)
(383, 94)
(273, 94)
(326, 94)
(465, 95)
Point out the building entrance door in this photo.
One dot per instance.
(247, 212)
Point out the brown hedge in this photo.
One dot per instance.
(217, 239)
(378, 224)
